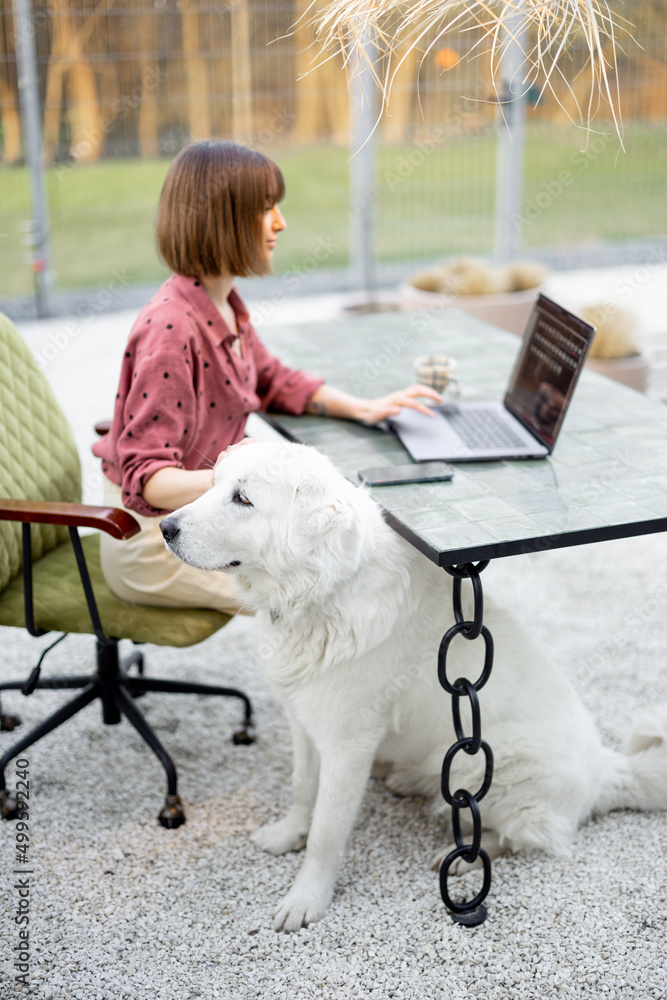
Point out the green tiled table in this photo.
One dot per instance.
(606, 479)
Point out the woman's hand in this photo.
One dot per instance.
(335, 403)
(374, 410)
(233, 447)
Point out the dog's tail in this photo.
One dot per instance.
(638, 778)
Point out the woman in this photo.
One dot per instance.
(194, 369)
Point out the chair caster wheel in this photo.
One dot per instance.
(9, 807)
(244, 736)
(135, 660)
(172, 814)
(8, 722)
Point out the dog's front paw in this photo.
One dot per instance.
(300, 907)
(279, 838)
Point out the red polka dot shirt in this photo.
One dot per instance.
(185, 393)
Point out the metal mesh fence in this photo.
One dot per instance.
(124, 86)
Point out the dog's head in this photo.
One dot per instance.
(278, 515)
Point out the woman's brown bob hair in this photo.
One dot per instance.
(211, 210)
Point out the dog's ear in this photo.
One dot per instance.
(334, 514)
(321, 512)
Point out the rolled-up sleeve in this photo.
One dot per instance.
(159, 420)
(283, 389)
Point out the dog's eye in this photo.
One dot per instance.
(239, 498)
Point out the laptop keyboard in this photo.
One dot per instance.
(481, 429)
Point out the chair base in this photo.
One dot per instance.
(117, 691)
(172, 815)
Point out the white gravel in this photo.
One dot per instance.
(121, 908)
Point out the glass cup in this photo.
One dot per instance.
(437, 371)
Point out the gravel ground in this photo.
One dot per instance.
(121, 908)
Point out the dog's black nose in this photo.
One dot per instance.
(169, 528)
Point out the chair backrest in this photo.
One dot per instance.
(38, 456)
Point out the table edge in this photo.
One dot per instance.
(524, 546)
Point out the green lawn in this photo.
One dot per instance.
(430, 202)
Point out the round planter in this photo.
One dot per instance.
(632, 370)
(509, 310)
(381, 301)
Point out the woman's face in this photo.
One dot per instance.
(273, 223)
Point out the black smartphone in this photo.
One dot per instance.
(418, 472)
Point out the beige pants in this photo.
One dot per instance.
(143, 571)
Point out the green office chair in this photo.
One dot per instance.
(50, 577)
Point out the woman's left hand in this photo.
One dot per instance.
(371, 411)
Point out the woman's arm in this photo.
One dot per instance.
(170, 488)
(331, 402)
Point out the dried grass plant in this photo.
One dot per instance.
(399, 26)
(617, 330)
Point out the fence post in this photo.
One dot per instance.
(510, 155)
(363, 118)
(28, 82)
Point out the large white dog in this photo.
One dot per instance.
(352, 616)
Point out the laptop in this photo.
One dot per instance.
(527, 422)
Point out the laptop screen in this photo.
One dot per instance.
(555, 346)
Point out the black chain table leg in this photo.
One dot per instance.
(470, 912)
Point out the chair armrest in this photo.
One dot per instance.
(115, 522)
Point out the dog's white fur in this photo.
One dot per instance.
(352, 617)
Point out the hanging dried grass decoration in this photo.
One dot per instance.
(399, 26)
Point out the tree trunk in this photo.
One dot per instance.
(198, 116)
(241, 72)
(69, 72)
(9, 113)
(322, 99)
(398, 114)
(147, 119)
